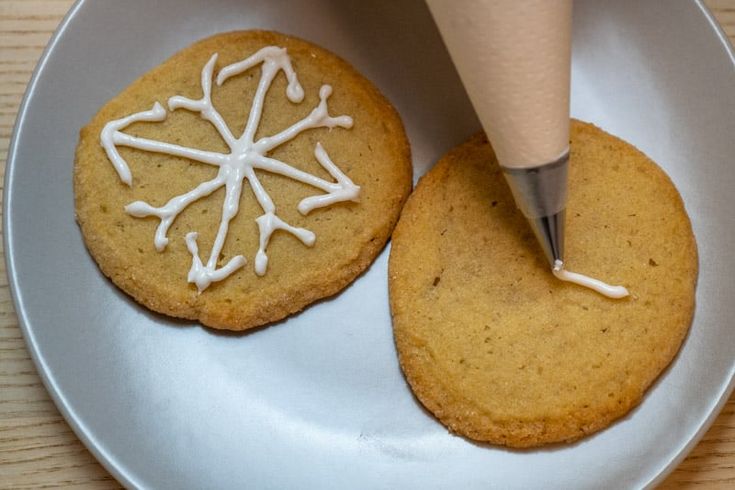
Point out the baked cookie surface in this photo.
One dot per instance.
(360, 143)
(495, 346)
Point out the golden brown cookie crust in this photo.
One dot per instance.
(374, 153)
(496, 347)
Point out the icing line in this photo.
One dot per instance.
(603, 288)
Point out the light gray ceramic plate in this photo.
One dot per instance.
(318, 401)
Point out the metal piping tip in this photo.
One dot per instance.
(549, 231)
(541, 194)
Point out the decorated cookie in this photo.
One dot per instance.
(244, 178)
(494, 345)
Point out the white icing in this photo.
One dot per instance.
(603, 288)
(245, 156)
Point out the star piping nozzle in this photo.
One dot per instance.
(540, 192)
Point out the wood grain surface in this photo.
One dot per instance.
(37, 447)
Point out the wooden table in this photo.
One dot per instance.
(37, 447)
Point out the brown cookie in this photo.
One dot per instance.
(495, 346)
(329, 245)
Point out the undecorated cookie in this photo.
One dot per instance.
(244, 178)
(495, 346)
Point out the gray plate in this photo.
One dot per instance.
(318, 401)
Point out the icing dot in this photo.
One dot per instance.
(325, 91)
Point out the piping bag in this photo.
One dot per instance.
(514, 59)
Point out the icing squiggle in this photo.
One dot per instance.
(603, 288)
(245, 156)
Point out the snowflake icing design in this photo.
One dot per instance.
(244, 157)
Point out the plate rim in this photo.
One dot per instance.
(730, 387)
(116, 468)
(60, 402)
